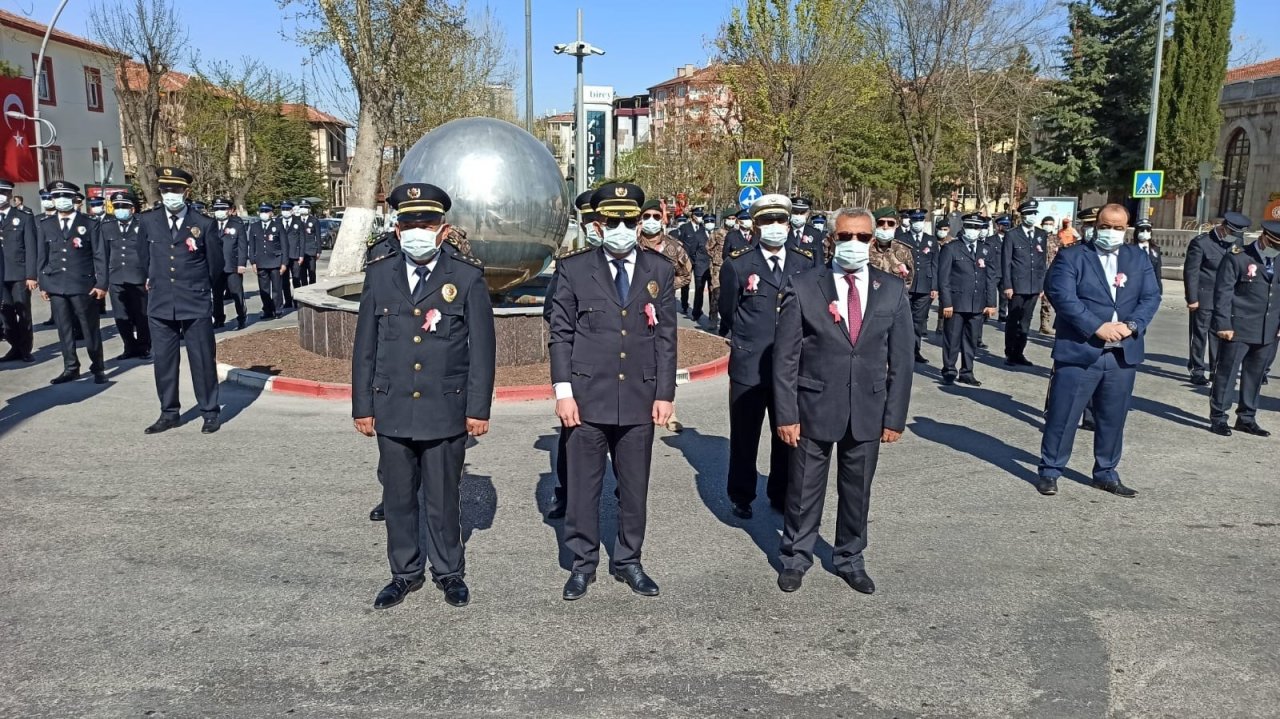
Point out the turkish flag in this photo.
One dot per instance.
(17, 154)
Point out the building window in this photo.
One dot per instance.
(48, 93)
(1235, 171)
(51, 158)
(337, 147)
(93, 88)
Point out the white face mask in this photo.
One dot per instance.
(651, 227)
(972, 234)
(730, 224)
(286, 213)
(709, 226)
(852, 255)
(63, 204)
(621, 239)
(219, 214)
(798, 221)
(1108, 239)
(304, 211)
(1144, 236)
(593, 235)
(942, 233)
(917, 227)
(884, 235)
(97, 210)
(4, 200)
(173, 200)
(1047, 228)
(774, 235)
(264, 216)
(982, 234)
(419, 243)
(123, 213)
(746, 224)
(46, 204)
(1029, 220)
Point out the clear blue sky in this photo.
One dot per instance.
(645, 41)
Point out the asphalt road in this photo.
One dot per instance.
(233, 575)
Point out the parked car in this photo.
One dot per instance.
(329, 232)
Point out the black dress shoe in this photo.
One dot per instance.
(920, 359)
(455, 591)
(1047, 486)
(557, 510)
(1252, 428)
(1023, 362)
(219, 324)
(376, 514)
(635, 578)
(264, 316)
(211, 425)
(789, 580)
(1117, 488)
(969, 380)
(576, 587)
(145, 356)
(948, 380)
(163, 424)
(1199, 380)
(1087, 425)
(1220, 428)
(65, 377)
(99, 377)
(240, 323)
(11, 356)
(742, 510)
(125, 356)
(396, 591)
(982, 345)
(859, 580)
(31, 358)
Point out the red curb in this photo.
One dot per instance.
(310, 388)
(707, 370)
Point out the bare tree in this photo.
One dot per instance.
(148, 38)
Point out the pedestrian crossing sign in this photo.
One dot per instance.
(1148, 184)
(748, 195)
(750, 173)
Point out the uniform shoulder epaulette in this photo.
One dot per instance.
(744, 250)
(1235, 249)
(803, 251)
(369, 261)
(473, 261)
(574, 253)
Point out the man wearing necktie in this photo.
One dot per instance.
(613, 366)
(1199, 278)
(125, 245)
(1105, 295)
(967, 279)
(266, 252)
(233, 245)
(73, 272)
(18, 242)
(1246, 318)
(842, 371)
(422, 375)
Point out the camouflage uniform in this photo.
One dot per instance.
(1046, 311)
(715, 247)
(674, 251)
(896, 259)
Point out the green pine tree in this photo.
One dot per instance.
(1128, 32)
(290, 169)
(1195, 65)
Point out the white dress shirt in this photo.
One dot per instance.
(411, 270)
(842, 290)
(564, 390)
(1110, 267)
(770, 253)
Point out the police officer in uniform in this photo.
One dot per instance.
(18, 281)
(887, 253)
(294, 245)
(803, 235)
(422, 376)
(125, 246)
(1023, 267)
(1246, 319)
(74, 275)
(751, 282)
(180, 260)
(613, 366)
(1199, 275)
(924, 279)
(1142, 238)
(266, 252)
(694, 237)
(228, 283)
(310, 242)
(735, 237)
(967, 281)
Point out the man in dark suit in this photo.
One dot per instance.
(18, 281)
(1142, 238)
(924, 280)
(266, 252)
(842, 372)
(422, 376)
(1246, 319)
(804, 236)
(294, 246)
(694, 237)
(613, 366)
(1022, 271)
(1199, 273)
(232, 240)
(125, 247)
(967, 279)
(74, 276)
(751, 282)
(179, 261)
(735, 237)
(1105, 296)
(310, 242)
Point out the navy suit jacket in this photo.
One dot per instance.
(71, 262)
(233, 244)
(749, 310)
(826, 384)
(179, 269)
(124, 250)
(18, 245)
(266, 247)
(1078, 290)
(967, 281)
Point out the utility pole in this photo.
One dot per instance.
(35, 91)
(579, 49)
(1154, 114)
(528, 65)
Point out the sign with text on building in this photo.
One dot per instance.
(750, 173)
(1148, 184)
(747, 196)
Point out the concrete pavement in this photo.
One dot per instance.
(232, 575)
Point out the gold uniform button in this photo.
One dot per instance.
(623, 355)
(417, 339)
(416, 395)
(417, 366)
(624, 313)
(416, 312)
(172, 269)
(622, 377)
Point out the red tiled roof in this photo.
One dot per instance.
(562, 117)
(31, 27)
(711, 73)
(310, 114)
(171, 81)
(1256, 71)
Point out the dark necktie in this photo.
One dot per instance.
(973, 248)
(1270, 268)
(620, 280)
(173, 227)
(854, 309)
(777, 271)
(66, 225)
(420, 290)
(222, 227)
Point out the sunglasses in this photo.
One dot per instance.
(859, 236)
(612, 222)
(651, 216)
(763, 221)
(886, 222)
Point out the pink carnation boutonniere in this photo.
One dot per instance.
(753, 282)
(650, 314)
(926, 249)
(875, 284)
(75, 242)
(1252, 270)
(982, 264)
(834, 309)
(432, 320)
(191, 244)
(1120, 279)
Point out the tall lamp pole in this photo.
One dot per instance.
(528, 66)
(1154, 114)
(580, 49)
(35, 88)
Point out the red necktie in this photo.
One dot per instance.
(855, 311)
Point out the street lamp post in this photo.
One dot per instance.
(579, 49)
(35, 90)
(1154, 114)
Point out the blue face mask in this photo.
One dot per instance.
(122, 213)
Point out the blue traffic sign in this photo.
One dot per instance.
(1148, 184)
(748, 195)
(750, 173)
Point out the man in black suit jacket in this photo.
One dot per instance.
(1199, 273)
(924, 279)
(967, 278)
(180, 261)
(694, 237)
(842, 374)
(804, 236)
(613, 366)
(735, 237)
(1022, 271)
(1142, 238)
(73, 273)
(232, 240)
(18, 279)
(126, 244)
(266, 251)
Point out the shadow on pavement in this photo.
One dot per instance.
(479, 503)
(1016, 462)
(41, 399)
(544, 496)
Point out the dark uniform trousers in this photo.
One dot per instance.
(1251, 361)
(630, 447)
(1201, 339)
(166, 339)
(1017, 325)
(747, 407)
(920, 302)
(228, 285)
(298, 271)
(810, 464)
(271, 288)
(962, 334)
(287, 283)
(309, 268)
(17, 316)
(129, 307)
(78, 315)
(423, 505)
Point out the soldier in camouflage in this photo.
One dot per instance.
(715, 247)
(887, 253)
(653, 237)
